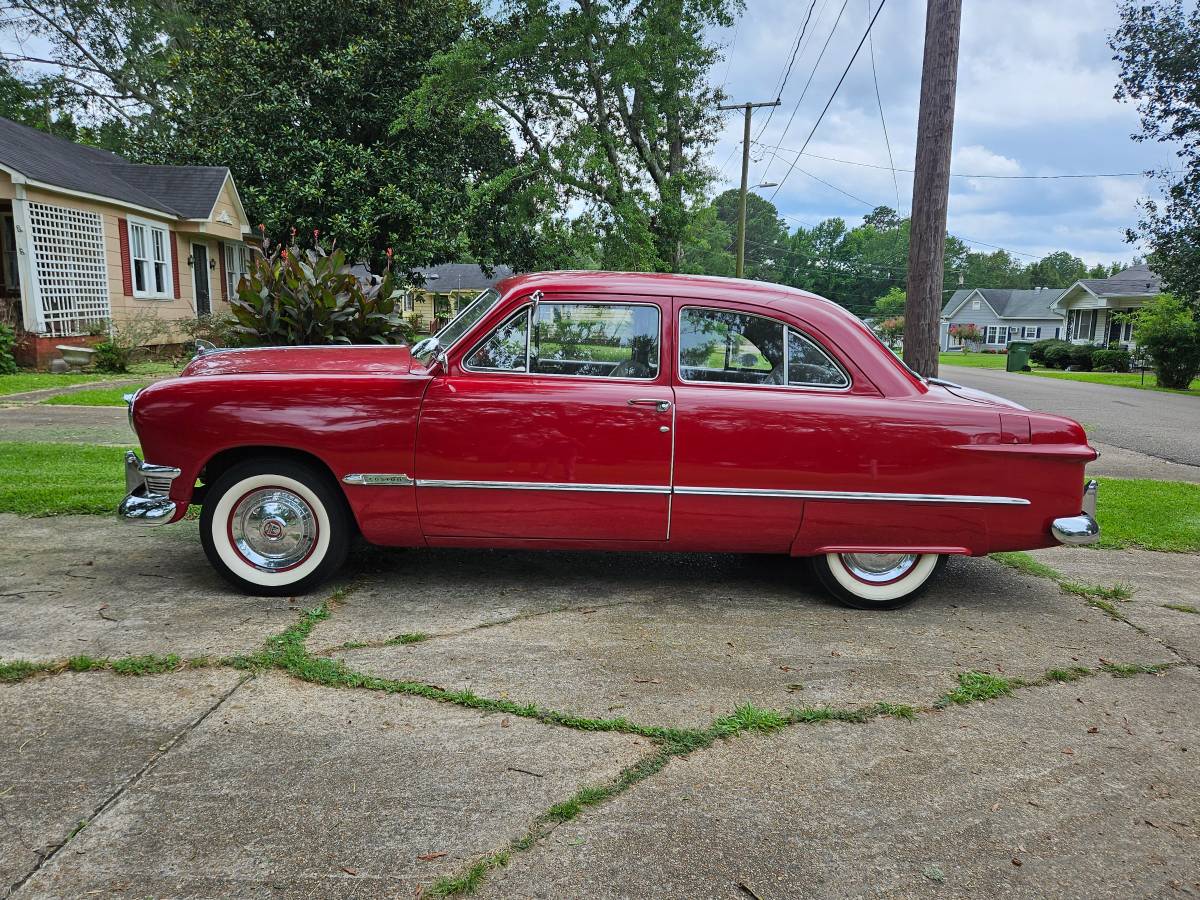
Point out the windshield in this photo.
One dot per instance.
(458, 326)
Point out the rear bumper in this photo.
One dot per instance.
(1083, 528)
(147, 501)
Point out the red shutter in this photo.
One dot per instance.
(126, 270)
(175, 264)
(224, 280)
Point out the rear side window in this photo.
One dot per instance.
(596, 340)
(729, 347)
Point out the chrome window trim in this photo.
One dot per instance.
(778, 493)
(657, 376)
(824, 388)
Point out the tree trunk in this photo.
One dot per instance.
(931, 185)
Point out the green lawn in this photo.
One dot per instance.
(36, 381)
(1121, 379)
(1154, 515)
(102, 396)
(57, 479)
(973, 360)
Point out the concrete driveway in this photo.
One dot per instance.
(1156, 423)
(562, 725)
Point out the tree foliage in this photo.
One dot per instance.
(1158, 49)
(1169, 331)
(611, 104)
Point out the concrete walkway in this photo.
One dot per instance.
(558, 709)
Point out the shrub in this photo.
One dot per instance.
(1170, 334)
(8, 364)
(296, 296)
(1081, 357)
(218, 330)
(891, 330)
(969, 334)
(1111, 360)
(1038, 352)
(1058, 356)
(126, 339)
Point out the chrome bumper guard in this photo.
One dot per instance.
(1083, 528)
(147, 502)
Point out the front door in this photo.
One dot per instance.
(555, 425)
(200, 279)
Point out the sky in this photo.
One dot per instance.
(1035, 97)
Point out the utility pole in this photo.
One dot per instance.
(931, 185)
(741, 234)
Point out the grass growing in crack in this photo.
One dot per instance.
(150, 664)
(411, 637)
(1182, 607)
(748, 717)
(976, 686)
(895, 710)
(1094, 595)
(20, 669)
(811, 715)
(1128, 670)
(1075, 673)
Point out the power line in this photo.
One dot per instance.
(1147, 173)
(882, 120)
(829, 102)
(788, 72)
(811, 74)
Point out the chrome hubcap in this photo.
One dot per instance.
(879, 568)
(273, 529)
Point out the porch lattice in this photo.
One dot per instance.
(69, 266)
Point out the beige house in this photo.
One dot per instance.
(1097, 309)
(90, 238)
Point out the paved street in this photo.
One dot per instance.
(1157, 423)
(457, 704)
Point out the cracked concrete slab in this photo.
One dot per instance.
(294, 790)
(1157, 579)
(1082, 790)
(692, 644)
(69, 742)
(99, 587)
(445, 591)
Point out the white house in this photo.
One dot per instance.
(1003, 315)
(1091, 307)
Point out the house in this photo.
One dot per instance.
(1091, 307)
(90, 238)
(445, 289)
(1002, 315)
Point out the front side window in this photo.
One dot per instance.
(11, 281)
(724, 346)
(595, 340)
(149, 261)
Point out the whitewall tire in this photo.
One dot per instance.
(275, 527)
(876, 580)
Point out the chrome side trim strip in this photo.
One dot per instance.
(546, 486)
(378, 479)
(852, 495)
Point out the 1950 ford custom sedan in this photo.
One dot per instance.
(607, 411)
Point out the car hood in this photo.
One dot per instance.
(367, 359)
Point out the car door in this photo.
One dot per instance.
(554, 424)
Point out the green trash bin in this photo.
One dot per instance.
(1018, 356)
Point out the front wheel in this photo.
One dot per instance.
(275, 527)
(876, 580)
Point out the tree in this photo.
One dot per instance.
(766, 233)
(1158, 49)
(890, 304)
(611, 103)
(1169, 331)
(298, 98)
(707, 243)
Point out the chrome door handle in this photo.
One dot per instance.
(660, 405)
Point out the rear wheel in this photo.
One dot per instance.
(275, 527)
(876, 580)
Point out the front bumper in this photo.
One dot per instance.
(149, 486)
(1083, 528)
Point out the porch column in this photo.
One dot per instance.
(31, 295)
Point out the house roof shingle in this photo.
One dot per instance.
(1129, 282)
(461, 277)
(187, 192)
(1011, 303)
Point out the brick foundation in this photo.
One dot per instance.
(36, 351)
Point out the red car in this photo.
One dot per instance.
(607, 411)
